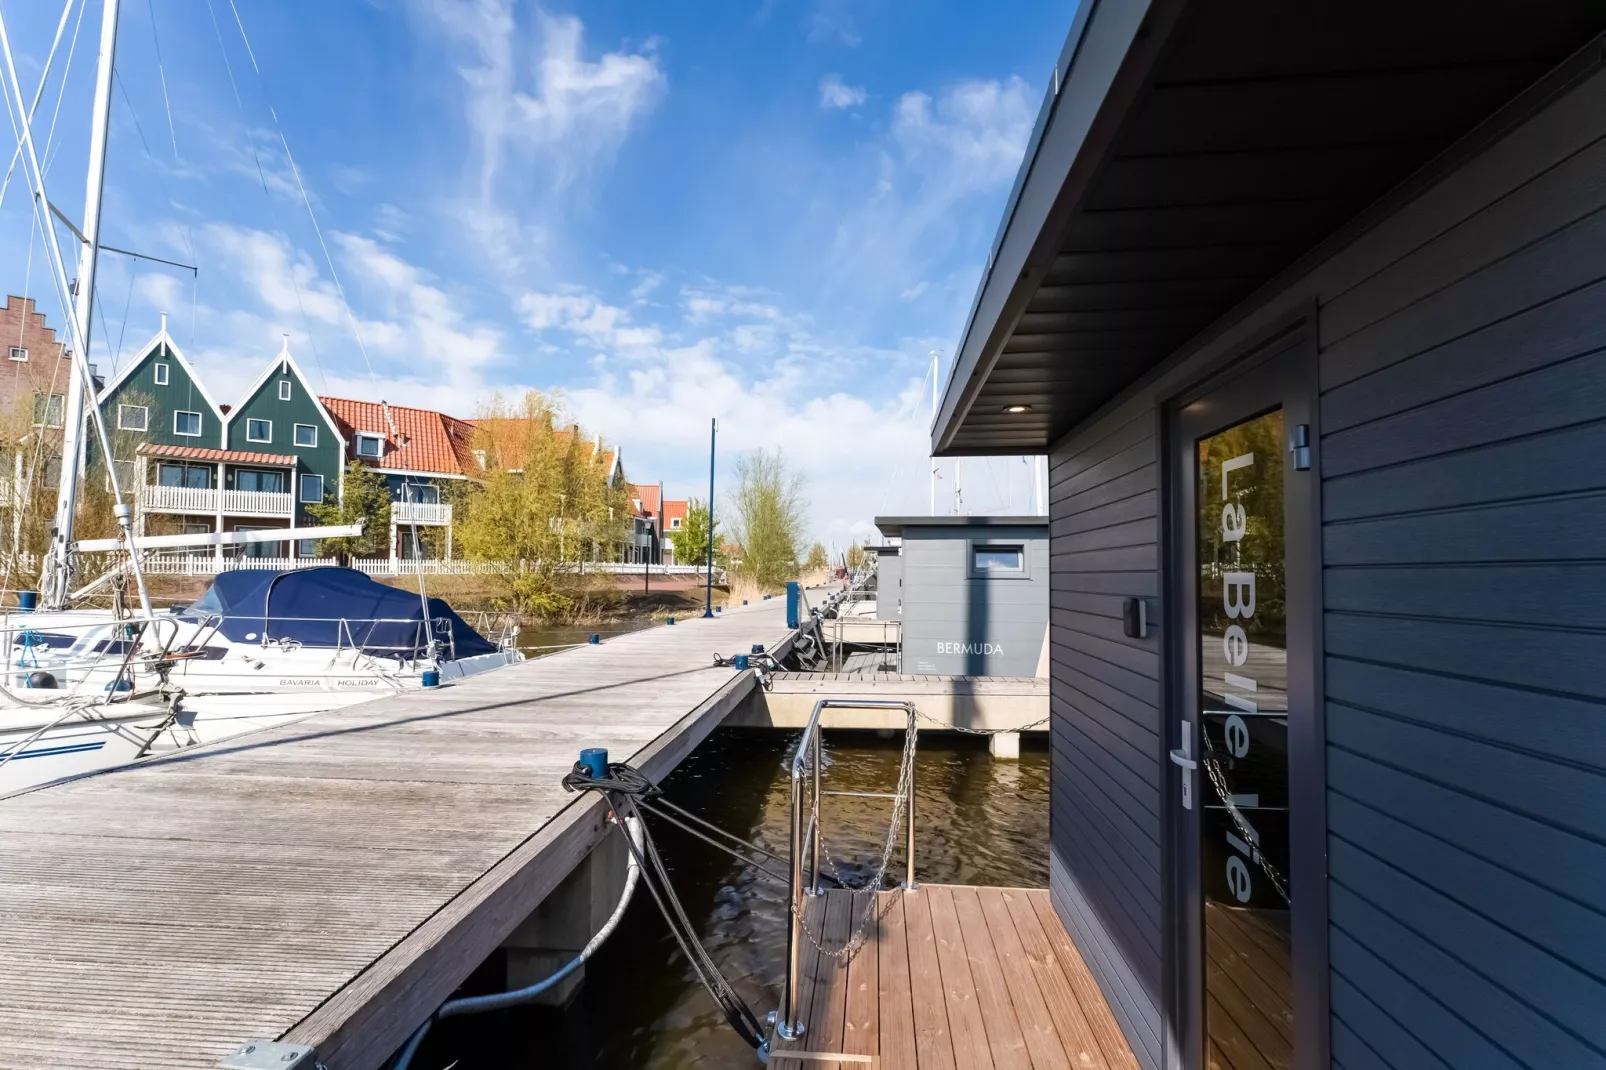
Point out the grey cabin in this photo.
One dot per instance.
(971, 591)
(1306, 304)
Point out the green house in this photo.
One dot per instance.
(281, 441)
(158, 399)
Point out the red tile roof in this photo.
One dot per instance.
(647, 494)
(675, 510)
(202, 453)
(418, 440)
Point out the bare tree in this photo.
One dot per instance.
(767, 508)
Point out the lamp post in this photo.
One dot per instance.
(713, 432)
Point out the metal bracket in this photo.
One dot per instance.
(1299, 446)
(269, 1055)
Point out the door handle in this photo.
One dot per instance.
(1183, 758)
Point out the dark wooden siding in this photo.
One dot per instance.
(1463, 417)
(1105, 825)
(1463, 457)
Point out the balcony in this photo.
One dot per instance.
(204, 500)
(420, 513)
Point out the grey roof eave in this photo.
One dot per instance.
(1107, 57)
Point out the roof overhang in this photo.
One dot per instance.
(1192, 154)
(893, 526)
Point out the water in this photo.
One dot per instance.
(539, 640)
(979, 821)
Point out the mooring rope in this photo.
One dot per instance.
(623, 787)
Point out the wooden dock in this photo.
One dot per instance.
(984, 703)
(330, 881)
(951, 978)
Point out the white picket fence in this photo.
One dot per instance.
(199, 563)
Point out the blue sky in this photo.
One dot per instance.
(770, 212)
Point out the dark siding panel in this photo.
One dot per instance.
(1106, 827)
(1560, 462)
(1464, 422)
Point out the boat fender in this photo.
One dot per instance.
(42, 679)
(122, 683)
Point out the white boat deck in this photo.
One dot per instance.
(329, 881)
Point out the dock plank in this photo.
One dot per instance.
(898, 1051)
(862, 1029)
(933, 1039)
(1004, 1034)
(965, 1023)
(1037, 1026)
(333, 879)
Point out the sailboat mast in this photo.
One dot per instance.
(58, 579)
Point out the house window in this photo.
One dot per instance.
(186, 423)
(479, 455)
(307, 548)
(18, 353)
(173, 474)
(133, 418)
(284, 390)
(991, 559)
(312, 488)
(674, 522)
(258, 430)
(161, 375)
(421, 493)
(47, 412)
(370, 446)
(269, 481)
(306, 435)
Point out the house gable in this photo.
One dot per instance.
(163, 383)
(267, 420)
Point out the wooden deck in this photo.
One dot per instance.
(329, 881)
(952, 978)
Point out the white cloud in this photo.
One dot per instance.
(972, 136)
(832, 21)
(587, 318)
(834, 93)
(532, 98)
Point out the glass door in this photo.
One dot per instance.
(1242, 727)
(1247, 821)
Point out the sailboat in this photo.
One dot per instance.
(85, 690)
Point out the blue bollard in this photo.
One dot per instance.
(595, 759)
(27, 601)
(595, 639)
(430, 678)
(719, 609)
(757, 648)
(744, 601)
(739, 662)
(671, 620)
(793, 595)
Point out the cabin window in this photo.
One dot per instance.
(187, 424)
(993, 559)
(19, 354)
(173, 474)
(370, 446)
(307, 548)
(259, 430)
(47, 412)
(133, 418)
(306, 435)
(160, 375)
(284, 390)
(312, 488)
(264, 480)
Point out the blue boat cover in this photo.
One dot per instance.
(309, 605)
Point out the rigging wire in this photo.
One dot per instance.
(161, 73)
(33, 108)
(306, 200)
(262, 176)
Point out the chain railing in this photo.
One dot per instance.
(807, 842)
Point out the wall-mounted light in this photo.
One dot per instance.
(1017, 408)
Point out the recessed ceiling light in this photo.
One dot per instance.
(1017, 408)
